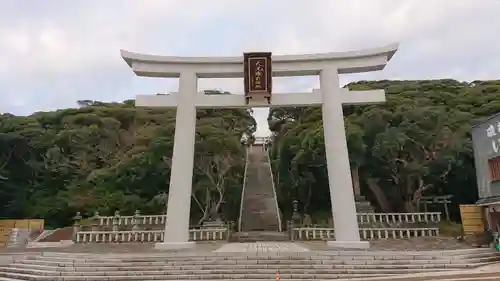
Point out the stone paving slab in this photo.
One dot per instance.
(471, 252)
(411, 244)
(488, 268)
(256, 266)
(420, 244)
(261, 247)
(107, 248)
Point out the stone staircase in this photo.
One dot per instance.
(320, 265)
(259, 211)
(254, 236)
(19, 237)
(363, 205)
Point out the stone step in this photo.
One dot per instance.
(263, 258)
(268, 263)
(328, 265)
(259, 236)
(241, 271)
(9, 279)
(282, 256)
(258, 202)
(477, 255)
(104, 267)
(231, 276)
(414, 277)
(295, 255)
(446, 253)
(364, 207)
(249, 255)
(448, 277)
(256, 207)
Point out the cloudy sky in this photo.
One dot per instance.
(54, 53)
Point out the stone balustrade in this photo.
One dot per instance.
(399, 218)
(363, 218)
(317, 233)
(137, 228)
(135, 236)
(129, 220)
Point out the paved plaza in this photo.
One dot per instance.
(264, 247)
(414, 244)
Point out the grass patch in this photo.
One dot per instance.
(452, 229)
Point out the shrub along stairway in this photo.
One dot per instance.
(241, 266)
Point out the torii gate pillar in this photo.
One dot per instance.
(331, 97)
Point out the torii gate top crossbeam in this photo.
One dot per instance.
(285, 65)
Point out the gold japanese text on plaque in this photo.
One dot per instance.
(258, 75)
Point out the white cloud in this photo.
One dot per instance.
(65, 51)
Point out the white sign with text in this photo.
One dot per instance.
(493, 133)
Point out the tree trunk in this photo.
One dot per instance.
(308, 200)
(215, 210)
(206, 212)
(381, 198)
(204, 217)
(413, 204)
(410, 206)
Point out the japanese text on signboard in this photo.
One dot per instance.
(493, 133)
(257, 73)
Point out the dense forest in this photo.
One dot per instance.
(106, 157)
(113, 156)
(416, 144)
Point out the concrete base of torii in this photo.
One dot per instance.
(174, 245)
(349, 244)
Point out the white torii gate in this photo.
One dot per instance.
(330, 96)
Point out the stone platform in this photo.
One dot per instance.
(265, 247)
(413, 244)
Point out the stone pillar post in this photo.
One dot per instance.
(339, 171)
(290, 230)
(76, 224)
(116, 221)
(95, 221)
(181, 175)
(135, 220)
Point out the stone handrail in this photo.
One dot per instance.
(59, 244)
(129, 220)
(42, 235)
(395, 218)
(243, 189)
(274, 189)
(309, 233)
(389, 218)
(208, 234)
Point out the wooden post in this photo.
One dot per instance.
(446, 211)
